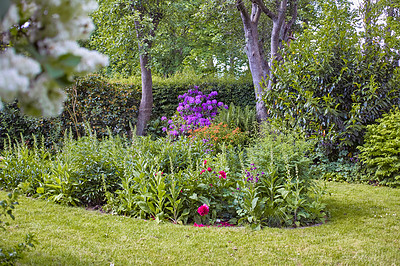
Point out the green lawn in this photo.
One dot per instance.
(364, 228)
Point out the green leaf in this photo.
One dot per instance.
(193, 197)
(254, 203)
(53, 71)
(40, 190)
(143, 205)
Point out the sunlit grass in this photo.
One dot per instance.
(364, 228)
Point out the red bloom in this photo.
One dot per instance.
(209, 169)
(198, 225)
(202, 171)
(205, 162)
(222, 174)
(203, 210)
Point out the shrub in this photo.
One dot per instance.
(282, 148)
(380, 153)
(277, 188)
(195, 110)
(23, 165)
(102, 103)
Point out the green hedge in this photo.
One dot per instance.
(100, 103)
(241, 93)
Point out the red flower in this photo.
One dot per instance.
(205, 162)
(209, 169)
(202, 171)
(203, 210)
(222, 174)
(198, 225)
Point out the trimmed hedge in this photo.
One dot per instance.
(99, 103)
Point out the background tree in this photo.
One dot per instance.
(283, 15)
(331, 85)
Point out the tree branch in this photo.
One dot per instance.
(240, 6)
(264, 9)
(294, 13)
(255, 13)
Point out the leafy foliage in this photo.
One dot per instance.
(278, 189)
(331, 86)
(243, 117)
(380, 153)
(216, 135)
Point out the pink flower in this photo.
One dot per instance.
(198, 225)
(222, 174)
(202, 171)
(209, 169)
(205, 162)
(203, 210)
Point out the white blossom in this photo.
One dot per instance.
(90, 60)
(44, 98)
(15, 74)
(54, 27)
(11, 82)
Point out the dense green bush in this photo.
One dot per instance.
(282, 149)
(331, 86)
(239, 92)
(380, 153)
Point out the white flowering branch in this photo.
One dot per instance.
(39, 52)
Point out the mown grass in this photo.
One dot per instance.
(364, 228)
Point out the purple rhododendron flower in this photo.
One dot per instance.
(196, 109)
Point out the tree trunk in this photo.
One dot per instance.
(146, 103)
(260, 67)
(256, 61)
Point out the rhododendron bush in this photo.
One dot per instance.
(195, 110)
(39, 52)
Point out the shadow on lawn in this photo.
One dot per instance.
(345, 209)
